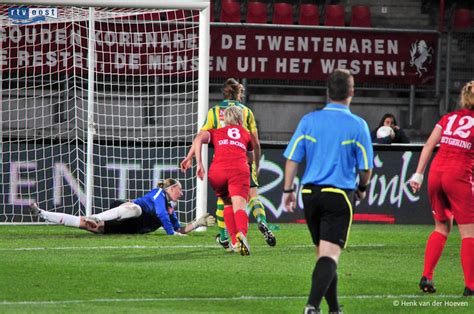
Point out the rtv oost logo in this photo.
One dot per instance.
(22, 15)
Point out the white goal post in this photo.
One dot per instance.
(99, 101)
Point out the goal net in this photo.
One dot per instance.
(99, 104)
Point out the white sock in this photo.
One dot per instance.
(111, 214)
(59, 218)
(124, 211)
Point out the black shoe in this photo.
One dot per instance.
(340, 311)
(269, 237)
(468, 292)
(224, 243)
(426, 285)
(310, 309)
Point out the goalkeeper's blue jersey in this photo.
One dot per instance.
(335, 143)
(155, 203)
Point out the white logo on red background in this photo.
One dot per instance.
(421, 55)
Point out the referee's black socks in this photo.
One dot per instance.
(324, 283)
(331, 295)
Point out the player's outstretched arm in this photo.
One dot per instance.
(205, 220)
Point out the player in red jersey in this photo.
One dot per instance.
(229, 172)
(450, 187)
(233, 93)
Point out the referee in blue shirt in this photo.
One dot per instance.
(337, 147)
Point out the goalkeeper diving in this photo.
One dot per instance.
(142, 215)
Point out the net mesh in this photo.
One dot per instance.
(139, 104)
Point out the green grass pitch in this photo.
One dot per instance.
(54, 269)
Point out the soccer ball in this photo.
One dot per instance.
(384, 131)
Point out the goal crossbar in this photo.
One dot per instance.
(142, 4)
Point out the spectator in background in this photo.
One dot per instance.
(335, 143)
(388, 131)
(143, 215)
(450, 188)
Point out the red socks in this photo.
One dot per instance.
(242, 221)
(433, 251)
(467, 261)
(236, 222)
(229, 220)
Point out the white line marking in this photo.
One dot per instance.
(245, 298)
(126, 247)
(162, 247)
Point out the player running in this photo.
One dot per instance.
(229, 172)
(143, 215)
(233, 92)
(450, 188)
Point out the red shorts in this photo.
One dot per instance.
(451, 194)
(230, 182)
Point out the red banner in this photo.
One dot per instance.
(311, 54)
(241, 52)
(121, 48)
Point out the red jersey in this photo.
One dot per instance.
(456, 151)
(231, 144)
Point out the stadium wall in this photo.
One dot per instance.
(389, 198)
(278, 115)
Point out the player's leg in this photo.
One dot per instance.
(230, 224)
(218, 181)
(331, 293)
(329, 221)
(459, 191)
(331, 296)
(255, 205)
(437, 239)
(57, 218)
(467, 256)
(238, 188)
(241, 222)
(313, 220)
(257, 209)
(433, 251)
(67, 220)
(335, 227)
(324, 276)
(222, 236)
(124, 211)
(443, 224)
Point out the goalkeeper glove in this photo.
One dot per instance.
(204, 221)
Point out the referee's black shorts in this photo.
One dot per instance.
(328, 213)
